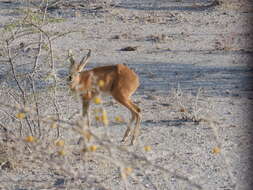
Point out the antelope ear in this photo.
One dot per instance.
(84, 61)
(71, 59)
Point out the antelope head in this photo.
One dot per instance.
(76, 68)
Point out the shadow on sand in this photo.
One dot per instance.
(161, 78)
(168, 5)
(215, 81)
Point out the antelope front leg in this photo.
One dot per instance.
(86, 113)
(126, 134)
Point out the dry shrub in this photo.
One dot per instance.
(193, 107)
(197, 108)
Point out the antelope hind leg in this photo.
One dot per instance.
(128, 130)
(136, 130)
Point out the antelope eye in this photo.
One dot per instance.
(69, 78)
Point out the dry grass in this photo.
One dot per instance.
(193, 108)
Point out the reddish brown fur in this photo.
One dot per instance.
(119, 81)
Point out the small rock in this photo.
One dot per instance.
(151, 97)
(129, 48)
(59, 182)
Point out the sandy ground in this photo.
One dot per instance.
(182, 45)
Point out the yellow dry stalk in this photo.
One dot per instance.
(101, 83)
(62, 152)
(147, 148)
(30, 139)
(54, 125)
(59, 143)
(92, 148)
(126, 172)
(118, 119)
(216, 150)
(97, 100)
(105, 118)
(20, 115)
(97, 118)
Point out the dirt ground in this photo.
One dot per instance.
(187, 53)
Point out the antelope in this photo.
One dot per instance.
(119, 81)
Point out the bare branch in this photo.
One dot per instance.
(14, 72)
(36, 104)
(40, 40)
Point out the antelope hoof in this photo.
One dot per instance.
(132, 142)
(123, 140)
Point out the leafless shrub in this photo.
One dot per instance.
(193, 108)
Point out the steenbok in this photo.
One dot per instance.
(118, 80)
